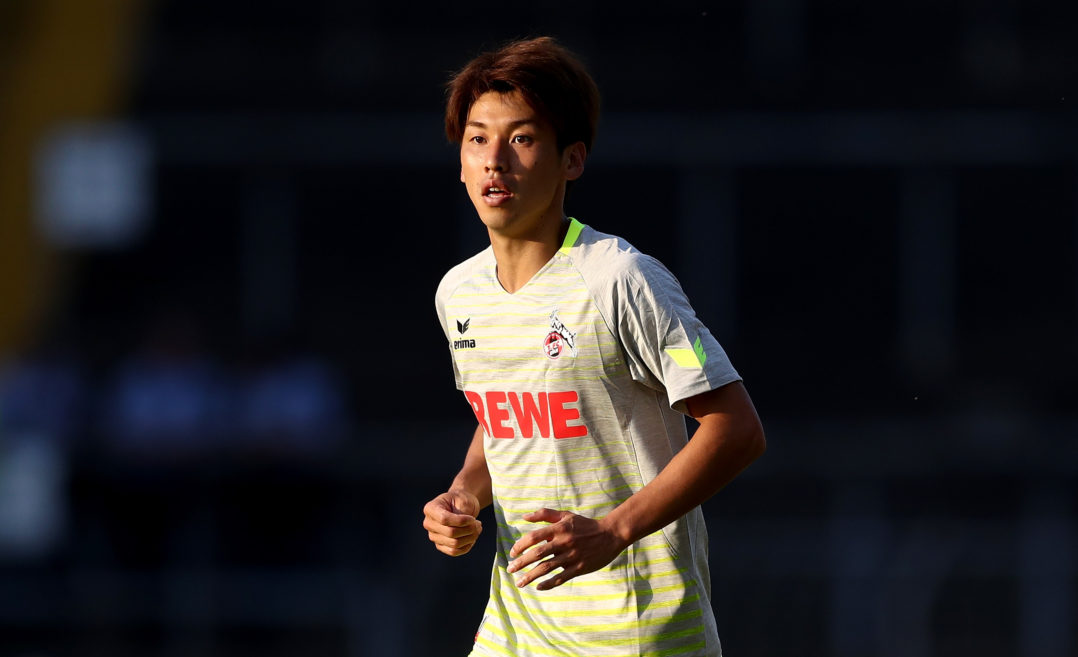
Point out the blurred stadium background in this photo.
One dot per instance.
(224, 397)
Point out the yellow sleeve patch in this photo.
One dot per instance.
(694, 358)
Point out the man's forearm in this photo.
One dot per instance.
(728, 440)
(474, 477)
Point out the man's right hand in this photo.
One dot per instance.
(451, 523)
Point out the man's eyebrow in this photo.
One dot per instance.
(512, 124)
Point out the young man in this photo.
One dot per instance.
(576, 353)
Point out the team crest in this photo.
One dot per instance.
(559, 339)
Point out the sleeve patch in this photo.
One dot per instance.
(691, 358)
(698, 349)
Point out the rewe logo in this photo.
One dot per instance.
(548, 412)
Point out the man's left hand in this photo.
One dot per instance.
(576, 544)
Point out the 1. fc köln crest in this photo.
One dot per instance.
(559, 339)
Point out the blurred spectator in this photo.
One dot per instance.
(288, 402)
(41, 395)
(166, 400)
(41, 400)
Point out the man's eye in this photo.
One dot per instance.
(522, 139)
(478, 139)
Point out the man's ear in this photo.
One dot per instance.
(462, 174)
(573, 158)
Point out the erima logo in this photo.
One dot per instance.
(463, 343)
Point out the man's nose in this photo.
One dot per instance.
(497, 155)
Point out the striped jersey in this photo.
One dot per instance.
(579, 380)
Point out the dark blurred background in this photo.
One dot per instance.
(224, 395)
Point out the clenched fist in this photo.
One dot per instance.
(450, 521)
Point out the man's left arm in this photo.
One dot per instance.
(729, 438)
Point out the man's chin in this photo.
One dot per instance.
(497, 221)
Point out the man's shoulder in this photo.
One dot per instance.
(608, 258)
(462, 271)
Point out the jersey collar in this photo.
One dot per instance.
(571, 236)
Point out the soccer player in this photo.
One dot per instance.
(578, 354)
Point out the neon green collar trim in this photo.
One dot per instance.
(571, 236)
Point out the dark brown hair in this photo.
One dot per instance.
(551, 80)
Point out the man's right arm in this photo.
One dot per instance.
(450, 519)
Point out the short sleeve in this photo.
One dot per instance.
(440, 298)
(667, 347)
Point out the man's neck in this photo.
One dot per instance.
(520, 258)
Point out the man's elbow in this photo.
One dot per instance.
(756, 442)
(750, 439)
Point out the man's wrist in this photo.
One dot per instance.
(461, 487)
(618, 526)
(472, 488)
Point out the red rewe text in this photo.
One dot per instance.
(550, 413)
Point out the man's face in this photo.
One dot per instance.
(511, 165)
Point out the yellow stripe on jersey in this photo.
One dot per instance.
(547, 475)
(576, 643)
(606, 627)
(566, 377)
(577, 509)
(525, 325)
(546, 498)
(630, 478)
(614, 611)
(627, 580)
(511, 652)
(558, 294)
(547, 596)
(502, 359)
(553, 453)
(511, 649)
(498, 370)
